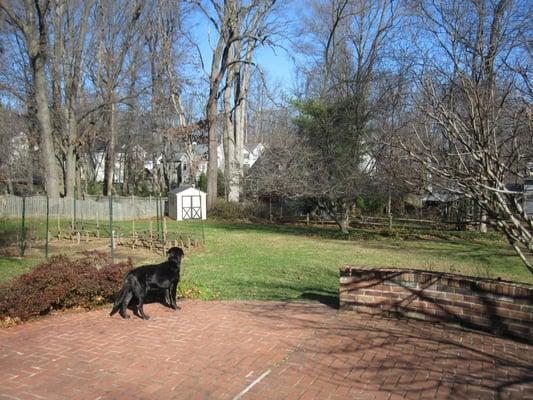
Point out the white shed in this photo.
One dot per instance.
(187, 202)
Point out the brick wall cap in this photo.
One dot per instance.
(347, 271)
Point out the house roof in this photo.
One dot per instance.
(198, 150)
(251, 147)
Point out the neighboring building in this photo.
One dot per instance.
(251, 154)
(528, 191)
(140, 158)
(118, 172)
(189, 170)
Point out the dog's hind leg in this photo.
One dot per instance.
(140, 291)
(141, 310)
(117, 303)
(123, 307)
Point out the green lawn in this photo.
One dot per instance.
(286, 262)
(251, 261)
(13, 266)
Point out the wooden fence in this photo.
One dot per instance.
(124, 208)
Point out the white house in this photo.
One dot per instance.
(528, 190)
(189, 170)
(186, 202)
(250, 154)
(118, 174)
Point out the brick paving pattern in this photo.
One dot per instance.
(256, 350)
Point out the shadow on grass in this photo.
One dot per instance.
(332, 232)
(484, 257)
(330, 300)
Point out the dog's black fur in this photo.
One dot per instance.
(141, 280)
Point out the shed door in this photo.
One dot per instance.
(191, 207)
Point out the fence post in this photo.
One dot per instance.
(47, 224)
(22, 228)
(202, 221)
(111, 227)
(133, 220)
(151, 234)
(58, 225)
(164, 223)
(157, 215)
(73, 221)
(162, 215)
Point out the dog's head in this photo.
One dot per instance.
(175, 254)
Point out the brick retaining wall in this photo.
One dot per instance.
(496, 306)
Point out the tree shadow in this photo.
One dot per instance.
(445, 299)
(384, 356)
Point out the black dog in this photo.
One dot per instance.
(141, 280)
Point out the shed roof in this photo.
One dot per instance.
(183, 188)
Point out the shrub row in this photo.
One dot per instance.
(60, 283)
(227, 211)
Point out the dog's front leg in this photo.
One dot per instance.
(168, 296)
(173, 294)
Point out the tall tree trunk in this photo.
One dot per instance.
(71, 79)
(212, 163)
(230, 168)
(109, 167)
(70, 156)
(242, 83)
(344, 220)
(237, 157)
(43, 116)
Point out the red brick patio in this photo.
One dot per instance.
(256, 350)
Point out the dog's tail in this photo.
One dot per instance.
(118, 301)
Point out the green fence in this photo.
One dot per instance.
(29, 222)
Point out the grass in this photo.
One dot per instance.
(288, 262)
(14, 266)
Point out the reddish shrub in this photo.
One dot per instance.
(62, 282)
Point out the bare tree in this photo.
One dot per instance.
(168, 54)
(222, 21)
(70, 26)
(255, 30)
(236, 23)
(473, 121)
(348, 41)
(31, 18)
(116, 24)
(16, 151)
